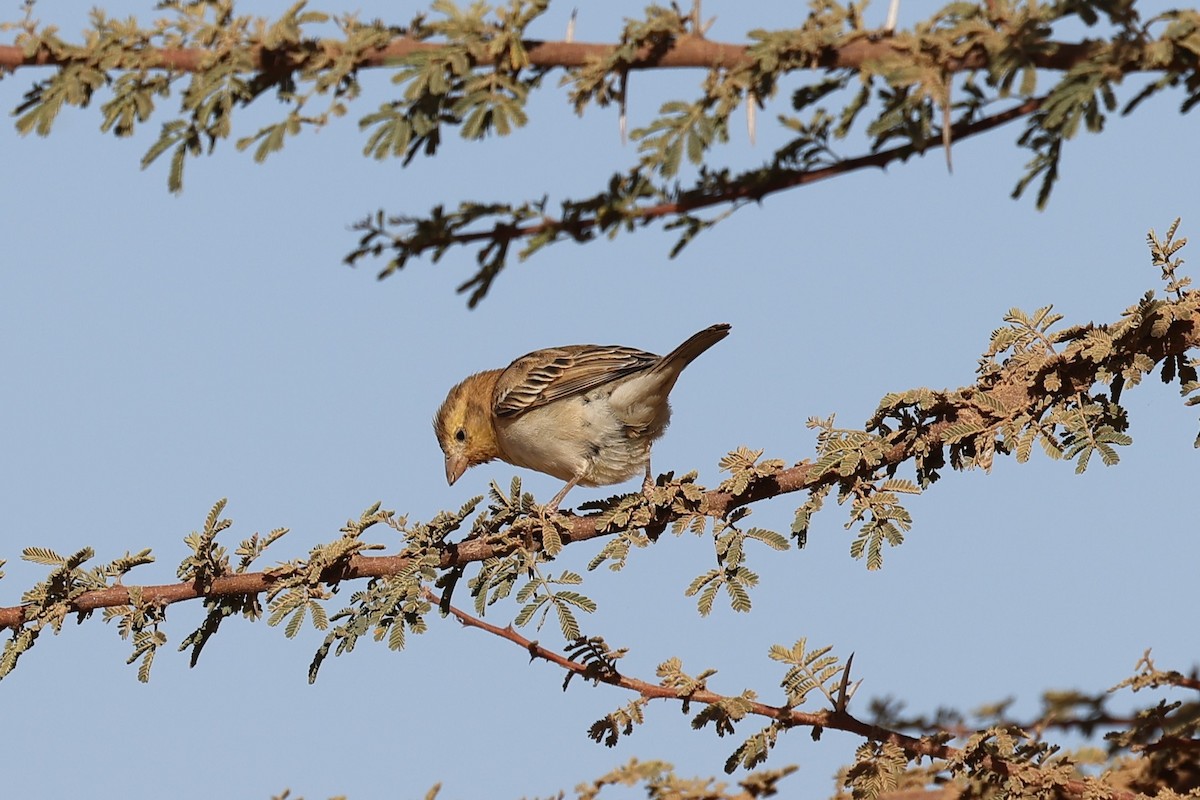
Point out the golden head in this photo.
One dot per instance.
(464, 426)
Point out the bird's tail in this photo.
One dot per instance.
(696, 344)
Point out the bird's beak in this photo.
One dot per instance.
(456, 465)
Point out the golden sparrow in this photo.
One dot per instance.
(584, 413)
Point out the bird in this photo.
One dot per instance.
(585, 414)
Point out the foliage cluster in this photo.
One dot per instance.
(966, 69)
(1058, 388)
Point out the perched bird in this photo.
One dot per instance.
(584, 413)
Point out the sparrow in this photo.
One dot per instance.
(586, 414)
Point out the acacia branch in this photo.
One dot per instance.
(657, 691)
(682, 52)
(778, 180)
(1017, 390)
(834, 719)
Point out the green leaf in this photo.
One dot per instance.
(42, 555)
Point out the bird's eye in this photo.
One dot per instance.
(460, 435)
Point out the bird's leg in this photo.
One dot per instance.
(558, 498)
(545, 512)
(647, 482)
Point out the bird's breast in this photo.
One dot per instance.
(603, 435)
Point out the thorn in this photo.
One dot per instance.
(844, 692)
(892, 16)
(570, 37)
(751, 115)
(624, 118)
(946, 135)
(699, 29)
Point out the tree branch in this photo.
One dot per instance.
(833, 719)
(683, 52)
(1020, 388)
(778, 180)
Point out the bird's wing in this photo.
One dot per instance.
(544, 376)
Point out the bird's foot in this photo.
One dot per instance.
(648, 481)
(546, 512)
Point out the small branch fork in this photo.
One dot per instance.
(834, 719)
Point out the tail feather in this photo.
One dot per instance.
(696, 344)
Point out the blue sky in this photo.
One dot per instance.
(163, 352)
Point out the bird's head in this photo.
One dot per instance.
(464, 425)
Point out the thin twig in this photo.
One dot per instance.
(784, 179)
(834, 719)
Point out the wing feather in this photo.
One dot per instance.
(544, 376)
